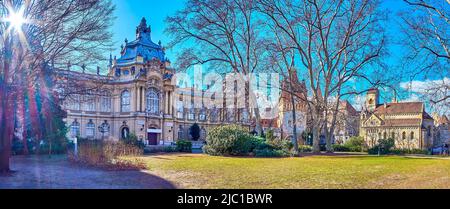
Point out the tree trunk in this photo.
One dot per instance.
(316, 130)
(294, 118)
(7, 124)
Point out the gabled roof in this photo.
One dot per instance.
(400, 108)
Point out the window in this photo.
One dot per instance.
(404, 135)
(125, 99)
(214, 114)
(152, 101)
(75, 129)
(105, 102)
(202, 115)
(412, 135)
(180, 132)
(191, 115)
(89, 103)
(90, 129)
(203, 134)
(385, 135)
(392, 135)
(126, 72)
(104, 128)
(429, 131)
(74, 102)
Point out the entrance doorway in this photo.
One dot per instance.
(152, 138)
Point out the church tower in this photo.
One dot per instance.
(372, 99)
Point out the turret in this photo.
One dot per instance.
(372, 99)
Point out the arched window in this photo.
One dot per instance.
(125, 101)
(404, 135)
(153, 101)
(90, 129)
(412, 135)
(385, 135)
(392, 135)
(429, 131)
(75, 129)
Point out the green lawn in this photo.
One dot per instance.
(201, 171)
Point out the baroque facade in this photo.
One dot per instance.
(137, 96)
(407, 123)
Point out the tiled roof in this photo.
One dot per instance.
(402, 122)
(400, 108)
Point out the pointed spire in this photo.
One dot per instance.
(143, 29)
(98, 70)
(83, 67)
(110, 60)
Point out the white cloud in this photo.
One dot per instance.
(422, 87)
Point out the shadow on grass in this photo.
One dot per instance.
(40, 172)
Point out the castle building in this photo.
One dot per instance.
(293, 96)
(138, 97)
(406, 122)
(347, 123)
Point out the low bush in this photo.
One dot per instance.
(184, 146)
(383, 147)
(271, 153)
(107, 155)
(305, 148)
(230, 140)
(341, 148)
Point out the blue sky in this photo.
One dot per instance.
(129, 13)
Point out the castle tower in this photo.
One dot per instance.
(372, 99)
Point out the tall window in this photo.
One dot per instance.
(385, 135)
(89, 103)
(180, 132)
(75, 129)
(74, 102)
(202, 115)
(90, 129)
(105, 102)
(412, 135)
(125, 99)
(404, 135)
(392, 135)
(153, 101)
(203, 134)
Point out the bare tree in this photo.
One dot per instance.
(54, 32)
(426, 24)
(222, 33)
(336, 41)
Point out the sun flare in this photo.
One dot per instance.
(16, 19)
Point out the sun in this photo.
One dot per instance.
(16, 19)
